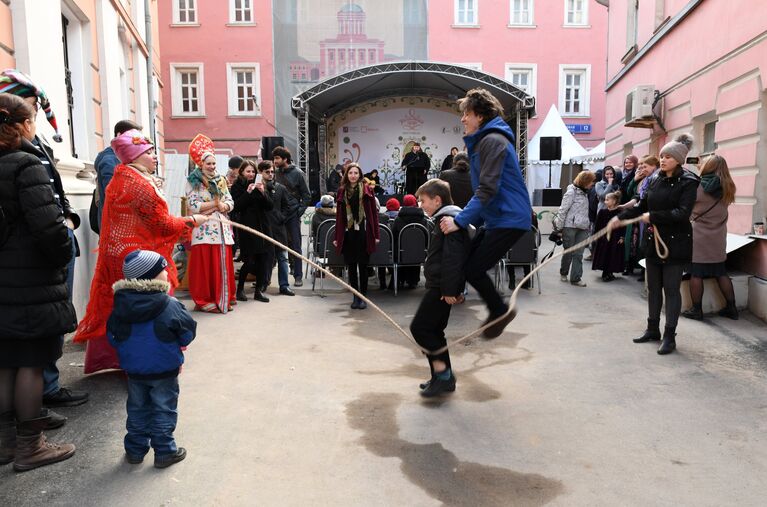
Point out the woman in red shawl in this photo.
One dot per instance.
(135, 217)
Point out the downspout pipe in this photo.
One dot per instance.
(149, 68)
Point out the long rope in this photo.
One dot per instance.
(660, 248)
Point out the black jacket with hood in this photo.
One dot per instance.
(444, 267)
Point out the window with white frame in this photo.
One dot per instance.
(244, 89)
(522, 75)
(521, 12)
(576, 12)
(574, 90)
(466, 12)
(185, 12)
(240, 11)
(473, 65)
(187, 89)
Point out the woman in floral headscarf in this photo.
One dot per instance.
(135, 217)
(211, 267)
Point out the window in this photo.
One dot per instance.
(245, 89)
(372, 56)
(574, 90)
(576, 12)
(466, 12)
(472, 65)
(522, 75)
(240, 11)
(187, 89)
(632, 24)
(709, 137)
(521, 12)
(185, 12)
(362, 56)
(332, 56)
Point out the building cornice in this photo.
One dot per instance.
(655, 39)
(129, 23)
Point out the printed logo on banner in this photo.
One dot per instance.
(411, 121)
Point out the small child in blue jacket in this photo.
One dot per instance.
(445, 281)
(148, 327)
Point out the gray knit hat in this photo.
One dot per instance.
(678, 148)
(327, 201)
(143, 265)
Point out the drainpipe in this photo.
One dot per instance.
(149, 68)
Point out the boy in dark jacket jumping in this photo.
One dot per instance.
(445, 281)
(148, 328)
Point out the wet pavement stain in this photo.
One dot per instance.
(582, 325)
(542, 314)
(436, 470)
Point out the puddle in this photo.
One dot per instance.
(436, 470)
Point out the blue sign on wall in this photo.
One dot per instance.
(579, 128)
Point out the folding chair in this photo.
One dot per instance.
(412, 247)
(523, 253)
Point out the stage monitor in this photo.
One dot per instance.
(551, 148)
(547, 197)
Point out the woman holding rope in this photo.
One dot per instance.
(666, 206)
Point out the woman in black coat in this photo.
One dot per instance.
(35, 249)
(666, 206)
(252, 203)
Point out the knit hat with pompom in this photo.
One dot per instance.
(678, 148)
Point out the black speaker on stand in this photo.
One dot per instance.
(551, 149)
(268, 143)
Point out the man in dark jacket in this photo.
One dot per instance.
(444, 286)
(281, 208)
(500, 201)
(416, 165)
(14, 82)
(334, 179)
(105, 164)
(299, 197)
(459, 179)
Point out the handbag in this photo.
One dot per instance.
(555, 236)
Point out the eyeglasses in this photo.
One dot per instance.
(269, 171)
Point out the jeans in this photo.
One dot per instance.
(152, 416)
(664, 279)
(573, 262)
(293, 228)
(488, 248)
(51, 371)
(282, 268)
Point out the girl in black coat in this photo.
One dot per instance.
(666, 206)
(35, 249)
(252, 203)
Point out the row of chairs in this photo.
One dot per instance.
(411, 247)
(523, 253)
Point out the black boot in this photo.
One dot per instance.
(651, 334)
(240, 295)
(355, 303)
(695, 313)
(437, 386)
(668, 344)
(260, 297)
(361, 305)
(729, 311)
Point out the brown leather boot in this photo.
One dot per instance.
(33, 450)
(7, 437)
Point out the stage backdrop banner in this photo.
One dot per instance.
(381, 139)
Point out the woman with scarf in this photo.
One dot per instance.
(135, 217)
(709, 236)
(573, 220)
(356, 229)
(211, 266)
(632, 253)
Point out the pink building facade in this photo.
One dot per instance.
(218, 73)
(554, 49)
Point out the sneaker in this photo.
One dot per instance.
(168, 460)
(562, 278)
(65, 397)
(298, 283)
(54, 420)
(438, 386)
(579, 283)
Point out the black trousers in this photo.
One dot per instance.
(488, 248)
(428, 325)
(414, 178)
(358, 276)
(256, 264)
(664, 280)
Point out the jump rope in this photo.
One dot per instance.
(660, 248)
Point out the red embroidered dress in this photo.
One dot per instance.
(135, 217)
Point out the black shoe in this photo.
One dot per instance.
(668, 345)
(260, 297)
(495, 330)
(730, 311)
(355, 303)
(424, 385)
(240, 295)
(651, 334)
(362, 305)
(695, 313)
(65, 397)
(438, 386)
(166, 461)
(285, 291)
(54, 420)
(263, 288)
(134, 460)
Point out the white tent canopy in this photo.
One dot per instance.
(572, 152)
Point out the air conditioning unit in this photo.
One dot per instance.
(639, 107)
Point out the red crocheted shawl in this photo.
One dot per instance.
(135, 217)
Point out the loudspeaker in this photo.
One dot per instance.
(547, 197)
(551, 148)
(268, 143)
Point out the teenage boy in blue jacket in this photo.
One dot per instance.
(500, 202)
(148, 327)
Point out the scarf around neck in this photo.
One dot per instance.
(358, 192)
(711, 184)
(216, 185)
